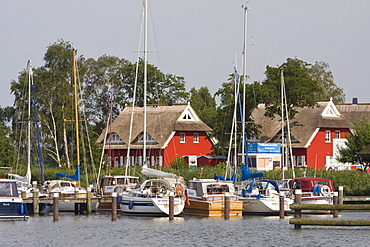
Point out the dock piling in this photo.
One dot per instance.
(335, 202)
(171, 206)
(297, 212)
(114, 206)
(227, 206)
(88, 201)
(35, 201)
(281, 205)
(341, 195)
(56, 207)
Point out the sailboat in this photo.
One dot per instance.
(152, 198)
(63, 187)
(24, 182)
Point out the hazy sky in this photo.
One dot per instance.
(200, 40)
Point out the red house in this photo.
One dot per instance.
(171, 132)
(316, 134)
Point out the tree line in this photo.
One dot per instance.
(108, 83)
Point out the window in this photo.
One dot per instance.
(182, 137)
(114, 139)
(327, 136)
(196, 138)
(337, 134)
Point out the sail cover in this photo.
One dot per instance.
(149, 172)
(75, 176)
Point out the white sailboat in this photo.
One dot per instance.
(259, 197)
(153, 196)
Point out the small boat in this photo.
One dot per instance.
(153, 197)
(11, 203)
(206, 197)
(120, 184)
(65, 189)
(261, 197)
(314, 190)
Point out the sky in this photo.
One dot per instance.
(201, 40)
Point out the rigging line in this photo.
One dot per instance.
(134, 96)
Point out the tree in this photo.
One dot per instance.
(301, 89)
(204, 105)
(6, 145)
(355, 143)
(320, 72)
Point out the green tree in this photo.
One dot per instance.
(204, 105)
(301, 89)
(6, 145)
(320, 72)
(355, 143)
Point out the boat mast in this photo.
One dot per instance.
(244, 82)
(76, 113)
(145, 75)
(28, 175)
(282, 124)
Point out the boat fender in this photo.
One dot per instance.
(131, 204)
(178, 191)
(119, 199)
(21, 209)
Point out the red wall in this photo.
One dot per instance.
(318, 149)
(175, 148)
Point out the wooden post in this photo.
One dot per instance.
(227, 206)
(77, 208)
(24, 194)
(34, 184)
(335, 202)
(341, 194)
(114, 206)
(297, 212)
(56, 207)
(35, 201)
(281, 205)
(171, 205)
(88, 201)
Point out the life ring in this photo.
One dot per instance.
(325, 190)
(178, 191)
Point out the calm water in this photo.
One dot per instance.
(99, 230)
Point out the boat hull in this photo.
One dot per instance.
(150, 206)
(264, 206)
(11, 208)
(215, 208)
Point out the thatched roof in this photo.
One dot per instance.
(162, 123)
(354, 112)
(365, 151)
(303, 126)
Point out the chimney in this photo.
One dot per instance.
(354, 101)
(141, 103)
(171, 102)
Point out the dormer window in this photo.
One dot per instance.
(149, 140)
(114, 139)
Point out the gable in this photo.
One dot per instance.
(188, 115)
(330, 110)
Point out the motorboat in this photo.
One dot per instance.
(11, 203)
(65, 189)
(120, 184)
(261, 197)
(206, 197)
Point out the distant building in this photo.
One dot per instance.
(171, 131)
(316, 133)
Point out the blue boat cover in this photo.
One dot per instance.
(75, 176)
(246, 174)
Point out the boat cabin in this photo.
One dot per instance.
(118, 183)
(205, 187)
(8, 188)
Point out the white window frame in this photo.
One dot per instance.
(327, 136)
(337, 134)
(196, 138)
(182, 138)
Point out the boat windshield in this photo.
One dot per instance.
(8, 189)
